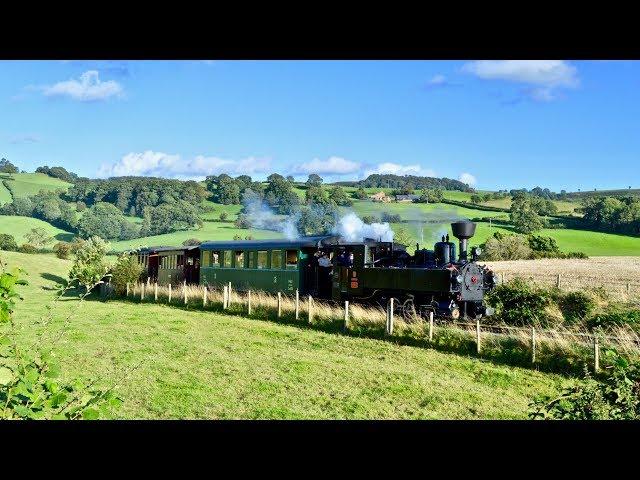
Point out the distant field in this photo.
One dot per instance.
(209, 231)
(5, 194)
(25, 184)
(194, 364)
(19, 226)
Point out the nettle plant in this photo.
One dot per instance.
(31, 384)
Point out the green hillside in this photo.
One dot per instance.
(19, 226)
(181, 364)
(25, 184)
(5, 194)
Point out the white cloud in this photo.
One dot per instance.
(22, 139)
(544, 75)
(467, 178)
(159, 164)
(87, 88)
(437, 81)
(397, 169)
(331, 166)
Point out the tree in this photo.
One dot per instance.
(167, 218)
(402, 237)
(106, 221)
(126, 270)
(62, 249)
(523, 216)
(506, 247)
(314, 180)
(338, 195)
(224, 216)
(8, 243)
(290, 179)
(38, 237)
(317, 219)
(360, 194)
(89, 266)
(280, 195)
(7, 167)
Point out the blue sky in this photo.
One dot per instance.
(497, 124)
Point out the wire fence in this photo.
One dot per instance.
(630, 287)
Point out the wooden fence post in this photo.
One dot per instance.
(142, 291)
(204, 296)
(502, 277)
(478, 335)
(155, 291)
(279, 304)
(127, 289)
(596, 355)
(148, 281)
(249, 302)
(310, 312)
(558, 281)
(389, 329)
(224, 297)
(346, 315)
(184, 291)
(169, 301)
(229, 295)
(628, 288)
(533, 344)
(297, 304)
(431, 326)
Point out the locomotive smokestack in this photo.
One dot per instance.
(463, 231)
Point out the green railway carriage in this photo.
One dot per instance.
(170, 264)
(268, 265)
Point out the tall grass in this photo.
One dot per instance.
(563, 349)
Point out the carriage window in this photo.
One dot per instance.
(180, 260)
(292, 259)
(206, 258)
(215, 259)
(276, 259)
(262, 258)
(239, 259)
(227, 258)
(252, 259)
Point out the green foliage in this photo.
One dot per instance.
(7, 242)
(280, 196)
(506, 247)
(523, 216)
(612, 214)
(7, 167)
(431, 195)
(314, 180)
(391, 217)
(317, 219)
(402, 236)
(45, 205)
(360, 194)
(338, 195)
(242, 221)
(89, 266)
(369, 219)
(577, 306)
(191, 242)
(224, 216)
(106, 221)
(615, 397)
(58, 172)
(170, 217)
(126, 270)
(62, 249)
(31, 384)
(27, 248)
(616, 316)
(415, 182)
(519, 303)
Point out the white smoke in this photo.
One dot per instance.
(262, 217)
(351, 228)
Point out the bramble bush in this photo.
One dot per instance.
(519, 303)
(62, 250)
(8, 243)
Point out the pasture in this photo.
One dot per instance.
(19, 226)
(170, 362)
(25, 184)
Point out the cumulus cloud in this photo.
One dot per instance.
(331, 166)
(467, 178)
(23, 139)
(159, 164)
(438, 81)
(544, 77)
(88, 88)
(397, 169)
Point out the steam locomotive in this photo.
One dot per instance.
(326, 267)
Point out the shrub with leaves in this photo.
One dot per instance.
(615, 397)
(8, 243)
(31, 385)
(519, 303)
(126, 270)
(506, 247)
(89, 266)
(191, 242)
(38, 237)
(27, 248)
(576, 306)
(62, 249)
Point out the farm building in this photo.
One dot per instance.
(406, 198)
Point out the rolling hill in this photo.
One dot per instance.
(25, 184)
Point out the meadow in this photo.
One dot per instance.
(172, 362)
(25, 184)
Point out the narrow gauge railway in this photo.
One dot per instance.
(326, 267)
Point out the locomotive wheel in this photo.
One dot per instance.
(409, 311)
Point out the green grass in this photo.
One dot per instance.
(211, 230)
(19, 226)
(204, 365)
(26, 184)
(5, 194)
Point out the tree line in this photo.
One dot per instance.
(411, 182)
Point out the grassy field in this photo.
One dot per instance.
(25, 184)
(194, 364)
(19, 226)
(5, 194)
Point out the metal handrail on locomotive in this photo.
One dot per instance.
(371, 271)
